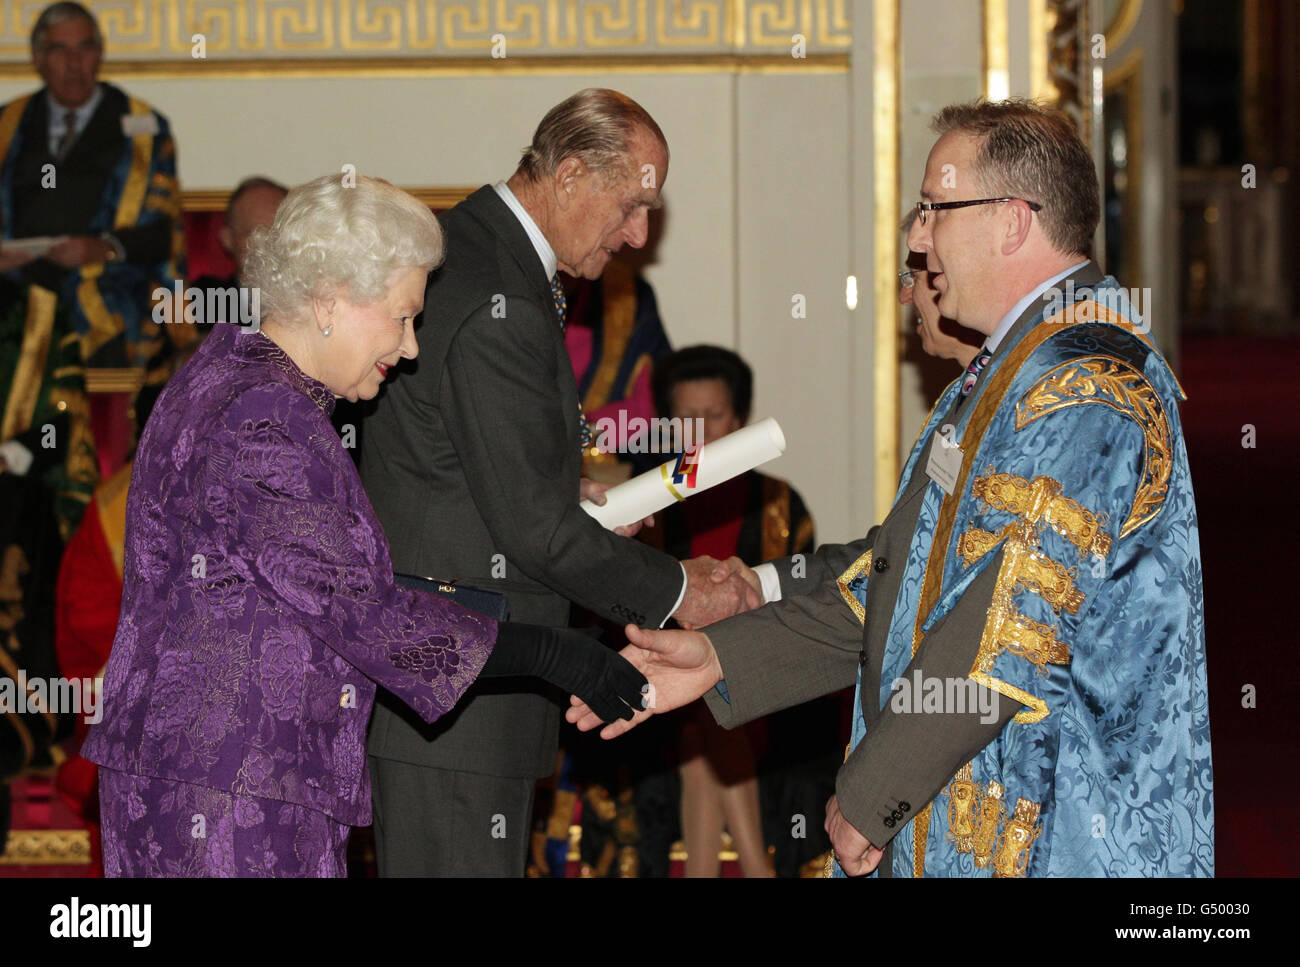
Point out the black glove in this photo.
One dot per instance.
(572, 661)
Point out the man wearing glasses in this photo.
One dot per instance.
(1025, 627)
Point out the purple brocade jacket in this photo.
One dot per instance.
(258, 608)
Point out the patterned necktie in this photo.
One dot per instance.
(973, 371)
(69, 135)
(585, 433)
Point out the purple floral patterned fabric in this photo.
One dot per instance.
(258, 608)
(161, 827)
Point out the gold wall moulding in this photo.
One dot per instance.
(459, 66)
(46, 847)
(886, 90)
(215, 199)
(332, 29)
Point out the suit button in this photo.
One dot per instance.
(881, 565)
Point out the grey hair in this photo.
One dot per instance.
(1026, 150)
(57, 13)
(328, 239)
(594, 126)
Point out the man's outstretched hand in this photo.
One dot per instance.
(679, 665)
(853, 851)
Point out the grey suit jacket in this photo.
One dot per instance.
(472, 463)
(827, 563)
(813, 643)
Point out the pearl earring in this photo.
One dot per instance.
(327, 330)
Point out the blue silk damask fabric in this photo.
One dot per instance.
(259, 611)
(1075, 485)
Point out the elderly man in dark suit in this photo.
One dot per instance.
(473, 465)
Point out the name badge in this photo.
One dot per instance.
(135, 125)
(944, 464)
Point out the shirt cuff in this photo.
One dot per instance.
(680, 598)
(17, 458)
(770, 582)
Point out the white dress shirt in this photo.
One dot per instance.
(81, 116)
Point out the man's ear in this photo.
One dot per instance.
(1019, 219)
(568, 177)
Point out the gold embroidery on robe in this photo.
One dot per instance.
(857, 567)
(1006, 629)
(1041, 500)
(989, 811)
(1114, 383)
(1040, 574)
(962, 795)
(1016, 839)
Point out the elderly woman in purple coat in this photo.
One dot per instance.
(259, 611)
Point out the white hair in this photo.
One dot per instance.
(328, 239)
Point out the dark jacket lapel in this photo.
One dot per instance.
(486, 206)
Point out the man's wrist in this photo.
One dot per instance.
(680, 597)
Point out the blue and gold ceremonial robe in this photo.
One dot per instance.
(1074, 484)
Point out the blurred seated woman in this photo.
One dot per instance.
(754, 517)
(259, 612)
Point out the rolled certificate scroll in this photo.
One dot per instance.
(690, 473)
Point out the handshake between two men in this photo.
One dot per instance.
(682, 666)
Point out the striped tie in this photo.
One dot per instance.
(69, 135)
(586, 435)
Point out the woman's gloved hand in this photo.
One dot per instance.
(575, 662)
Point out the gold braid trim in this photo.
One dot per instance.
(857, 567)
(104, 325)
(962, 795)
(9, 119)
(30, 847)
(137, 177)
(975, 543)
(989, 812)
(1018, 835)
(1040, 499)
(618, 291)
(643, 363)
(975, 814)
(24, 390)
(1114, 383)
(1041, 574)
(1008, 630)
